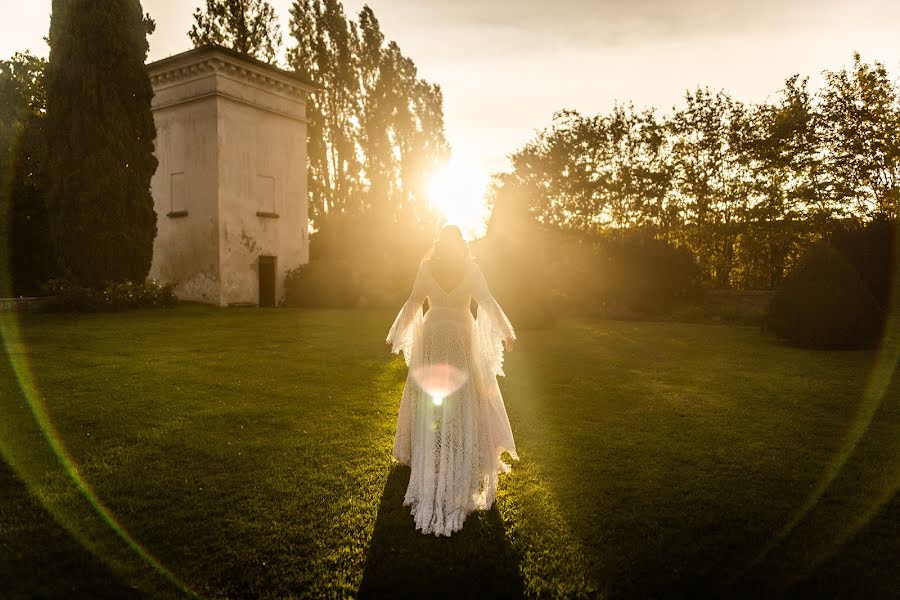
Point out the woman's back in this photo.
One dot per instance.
(459, 292)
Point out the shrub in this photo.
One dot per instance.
(383, 257)
(824, 303)
(870, 250)
(322, 283)
(516, 271)
(643, 275)
(386, 285)
(543, 271)
(574, 275)
(70, 296)
(148, 294)
(525, 309)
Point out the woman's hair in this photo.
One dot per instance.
(449, 255)
(449, 248)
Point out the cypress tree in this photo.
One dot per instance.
(100, 136)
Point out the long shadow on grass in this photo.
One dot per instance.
(404, 563)
(38, 558)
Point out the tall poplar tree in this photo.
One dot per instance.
(376, 130)
(247, 26)
(99, 135)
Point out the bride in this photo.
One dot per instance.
(452, 427)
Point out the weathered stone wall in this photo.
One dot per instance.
(262, 197)
(185, 194)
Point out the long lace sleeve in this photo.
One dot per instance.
(409, 320)
(492, 324)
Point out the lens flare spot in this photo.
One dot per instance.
(439, 380)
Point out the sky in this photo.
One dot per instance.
(506, 66)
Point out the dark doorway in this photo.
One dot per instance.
(267, 281)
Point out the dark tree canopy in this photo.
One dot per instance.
(22, 158)
(247, 26)
(21, 95)
(824, 303)
(99, 135)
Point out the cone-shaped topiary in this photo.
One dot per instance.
(824, 303)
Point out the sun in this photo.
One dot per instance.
(457, 190)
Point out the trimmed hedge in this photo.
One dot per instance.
(824, 303)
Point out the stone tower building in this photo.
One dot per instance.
(230, 190)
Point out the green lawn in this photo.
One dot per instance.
(248, 451)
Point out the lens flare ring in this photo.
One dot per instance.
(12, 339)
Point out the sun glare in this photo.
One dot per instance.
(457, 190)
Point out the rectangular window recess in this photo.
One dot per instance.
(174, 214)
(267, 215)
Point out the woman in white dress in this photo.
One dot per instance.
(452, 427)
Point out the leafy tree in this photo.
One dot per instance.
(789, 195)
(22, 98)
(565, 171)
(247, 26)
(375, 113)
(861, 124)
(32, 260)
(99, 133)
(375, 132)
(376, 129)
(22, 157)
(711, 176)
(21, 95)
(324, 51)
(641, 176)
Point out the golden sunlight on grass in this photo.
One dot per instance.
(457, 190)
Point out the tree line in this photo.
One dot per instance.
(745, 187)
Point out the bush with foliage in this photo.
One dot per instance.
(870, 249)
(514, 259)
(824, 303)
(325, 283)
(382, 258)
(627, 276)
(123, 295)
(644, 275)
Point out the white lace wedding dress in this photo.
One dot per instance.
(452, 426)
